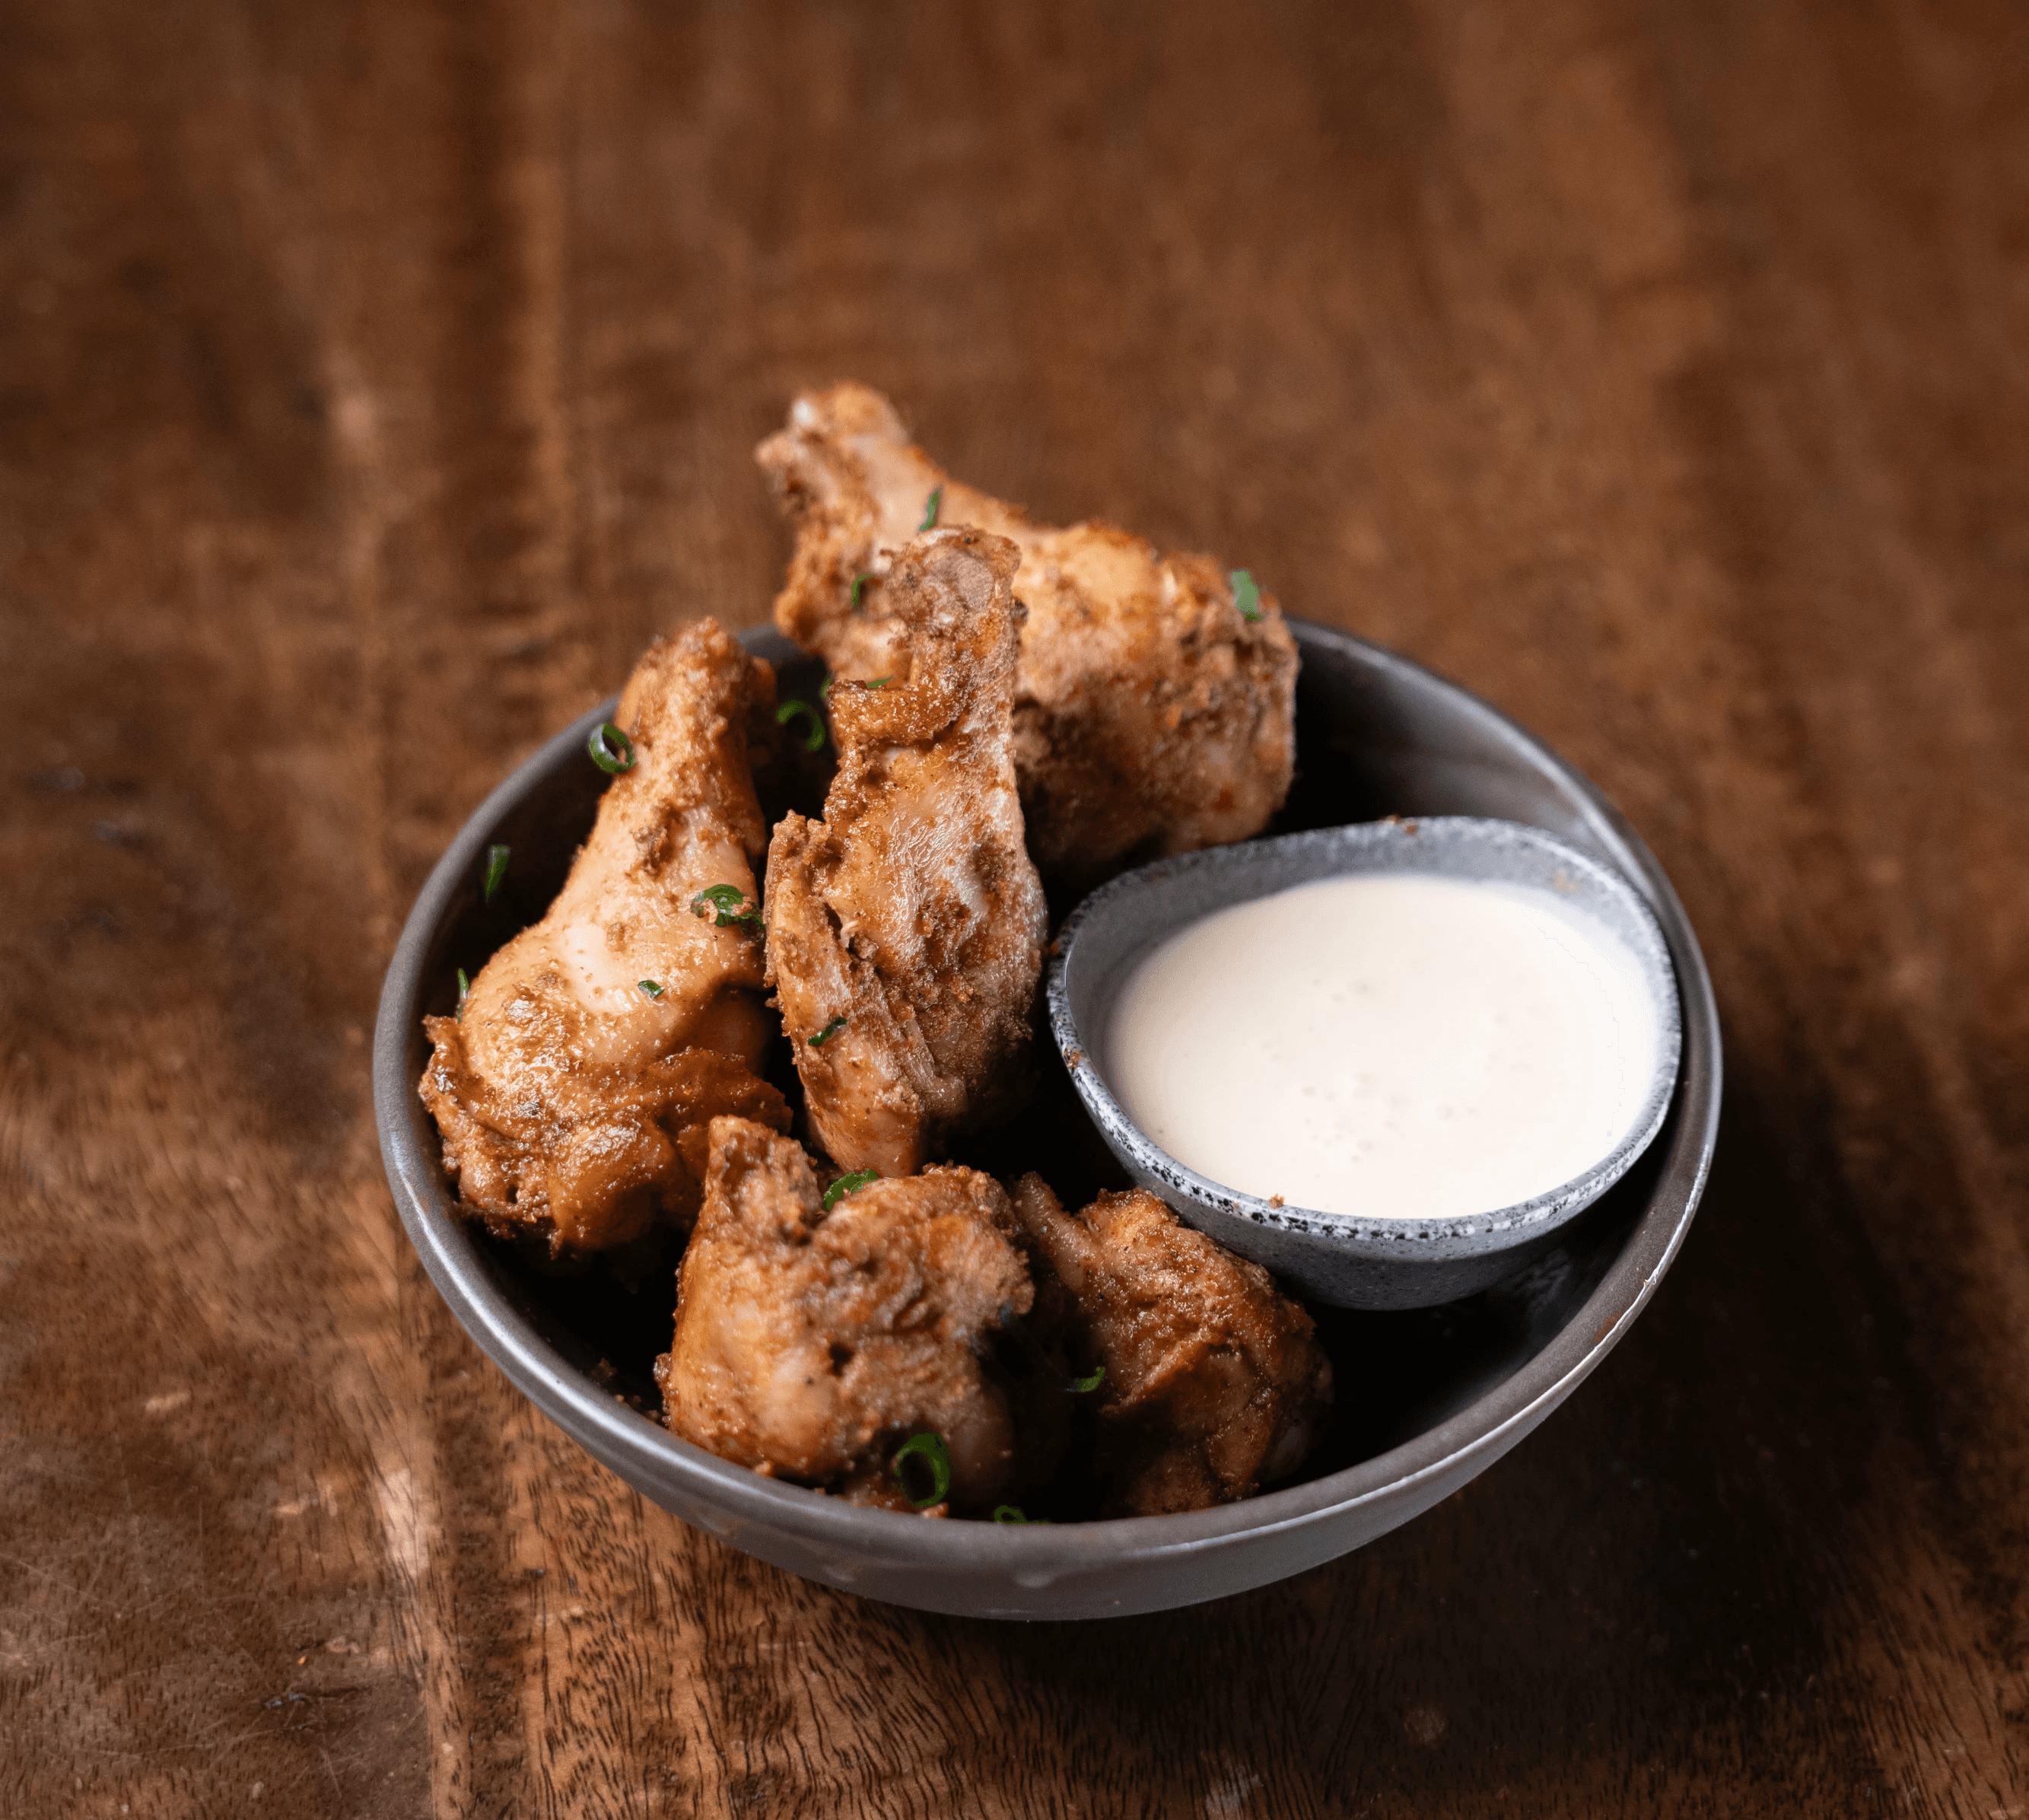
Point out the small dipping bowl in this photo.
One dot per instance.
(1352, 1261)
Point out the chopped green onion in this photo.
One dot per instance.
(726, 905)
(650, 987)
(830, 1031)
(464, 993)
(1012, 1514)
(789, 709)
(878, 682)
(847, 1185)
(931, 507)
(859, 582)
(824, 691)
(496, 870)
(610, 749)
(1082, 1385)
(938, 1457)
(1246, 594)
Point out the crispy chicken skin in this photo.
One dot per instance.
(906, 929)
(811, 1345)
(572, 1105)
(1214, 1385)
(1150, 716)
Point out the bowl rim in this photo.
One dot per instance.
(1435, 1236)
(644, 1453)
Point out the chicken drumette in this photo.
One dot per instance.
(1153, 715)
(906, 930)
(812, 1344)
(573, 1089)
(1215, 1383)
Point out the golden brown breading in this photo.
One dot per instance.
(906, 930)
(572, 1104)
(1150, 716)
(1214, 1385)
(812, 1344)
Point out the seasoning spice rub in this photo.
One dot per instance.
(853, 1313)
(1155, 702)
(906, 929)
(574, 1087)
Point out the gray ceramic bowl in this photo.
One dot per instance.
(1444, 1393)
(1348, 1262)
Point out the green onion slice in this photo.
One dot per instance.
(725, 904)
(878, 682)
(830, 1031)
(789, 709)
(937, 1456)
(1092, 1383)
(611, 750)
(824, 691)
(650, 987)
(859, 582)
(931, 507)
(496, 870)
(1246, 594)
(464, 993)
(1012, 1514)
(847, 1185)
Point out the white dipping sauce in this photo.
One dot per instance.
(1393, 1046)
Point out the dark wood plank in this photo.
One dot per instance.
(375, 380)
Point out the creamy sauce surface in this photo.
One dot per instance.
(1394, 1046)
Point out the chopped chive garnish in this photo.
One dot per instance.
(830, 1031)
(934, 1454)
(824, 691)
(1092, 1383)
(464, 993)
(1246, 594)
(931, 507)
(1012, 1514)
(496, 870)
(859, 582)
(725, 904)
(878, 682)
(610, 749)
(789, 709)
(650, 987)
(847, 1185)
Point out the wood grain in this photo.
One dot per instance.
(376, 379)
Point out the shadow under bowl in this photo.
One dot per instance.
(1444, 1392)
(1350, 1261)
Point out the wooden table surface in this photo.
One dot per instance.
(376, 380)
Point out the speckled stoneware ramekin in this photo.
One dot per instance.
(1352, 1261)
(1432, 1400)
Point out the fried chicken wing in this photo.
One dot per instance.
(1151, 715)
(573, 1100)
(812, 1344)
(1215, 1384)
(906, 929)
